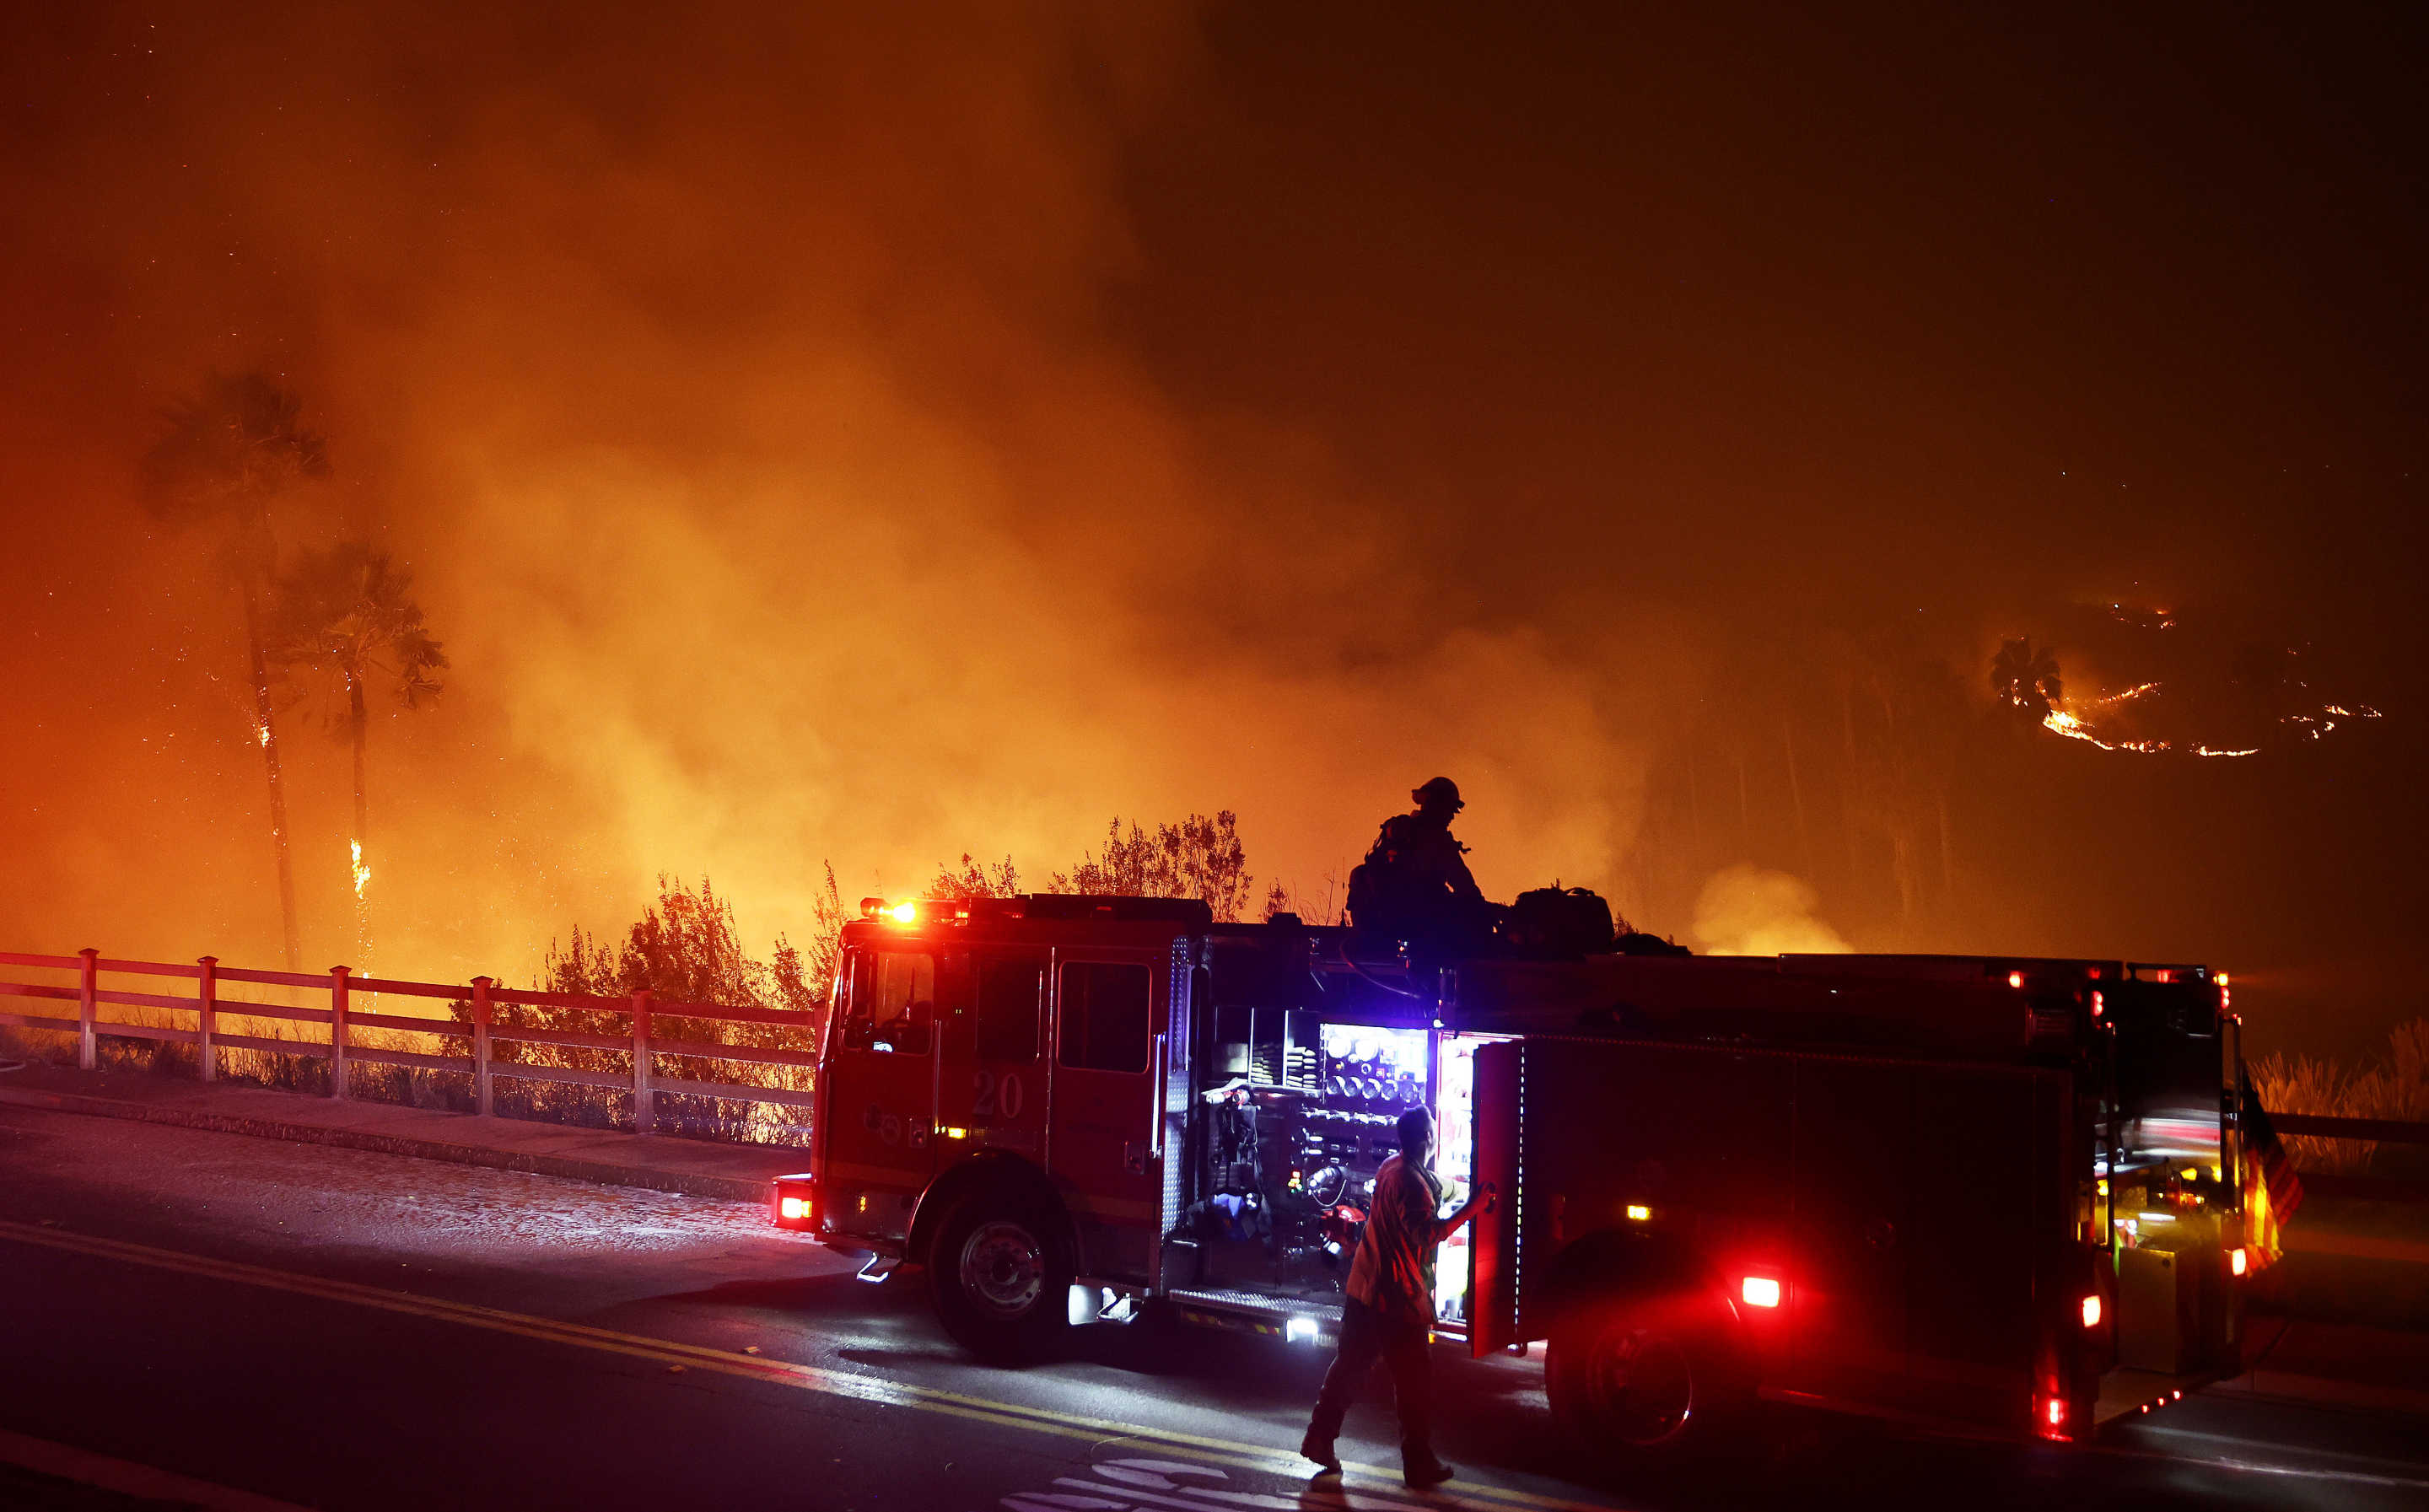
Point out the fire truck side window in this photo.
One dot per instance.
(893, 1003)
(1009, 997)
(1105, 1016)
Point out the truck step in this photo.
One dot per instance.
(1298, 1319)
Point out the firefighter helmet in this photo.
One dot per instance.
(1438, 790)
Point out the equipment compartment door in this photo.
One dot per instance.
(1105, 1134)
(1492, 1251)
(1847, 1292)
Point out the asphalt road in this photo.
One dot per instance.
(344, 1330)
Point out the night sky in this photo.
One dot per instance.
(819, 437)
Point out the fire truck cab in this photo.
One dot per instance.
(1986, 1194)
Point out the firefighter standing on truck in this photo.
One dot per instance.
(1414, 884)
(1389, 1312)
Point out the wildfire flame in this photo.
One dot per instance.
(2073, 727)
(2067, 722)
(362, 873)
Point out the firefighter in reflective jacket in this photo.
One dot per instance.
(1389, 1312)
(1415, 885)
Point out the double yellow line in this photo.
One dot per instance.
(750, 1367)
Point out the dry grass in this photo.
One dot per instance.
(2394, 1086)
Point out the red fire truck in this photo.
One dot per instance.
(1986, 1194)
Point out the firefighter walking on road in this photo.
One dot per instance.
(1389, 1312)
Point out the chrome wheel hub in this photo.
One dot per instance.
(1642, 1388)
(1004, 1268)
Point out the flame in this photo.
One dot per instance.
(2111, 699)
(2068, 722)
(362, 873)
(2068, 725)
(261, 731)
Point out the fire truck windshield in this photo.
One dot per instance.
(893, 1002)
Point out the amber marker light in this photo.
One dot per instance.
(1639, 1213)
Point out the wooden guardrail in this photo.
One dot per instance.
(483, 1030)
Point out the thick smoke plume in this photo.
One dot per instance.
(1745, 911)
(736, 387)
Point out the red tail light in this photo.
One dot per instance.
(2050, 1418)
(1760, 1291)
(2237, 1262)
(2090, 1313)
(793, 1203)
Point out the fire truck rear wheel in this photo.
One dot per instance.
(1650, 1376)
(1001, 1276)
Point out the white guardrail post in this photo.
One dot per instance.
(481, 1095)
(207, 1004)
(644, 1113)
(88, 1008)
(337, 1032)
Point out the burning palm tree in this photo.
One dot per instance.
(223, 456)
(348, 613)
(2026, 679)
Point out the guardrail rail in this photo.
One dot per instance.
(482, 1029)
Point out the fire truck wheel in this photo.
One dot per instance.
(1002, 1278)
(1653, 1377)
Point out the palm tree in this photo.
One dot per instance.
(222, 456)
(348, 613)
(2026, 679)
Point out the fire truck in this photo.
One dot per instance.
(1976, 1193)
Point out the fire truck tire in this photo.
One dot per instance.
(1648, 1376)
(1001, 1273)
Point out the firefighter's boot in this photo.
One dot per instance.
(1320, 1449)
(1428, 1471)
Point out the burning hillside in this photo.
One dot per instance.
(2262, 699)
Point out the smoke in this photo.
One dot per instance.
(741, 391)
(1745, 911)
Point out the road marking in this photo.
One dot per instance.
(2156, 1431)
(68, 1463)
(2350, 1477)
(873, 1389)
